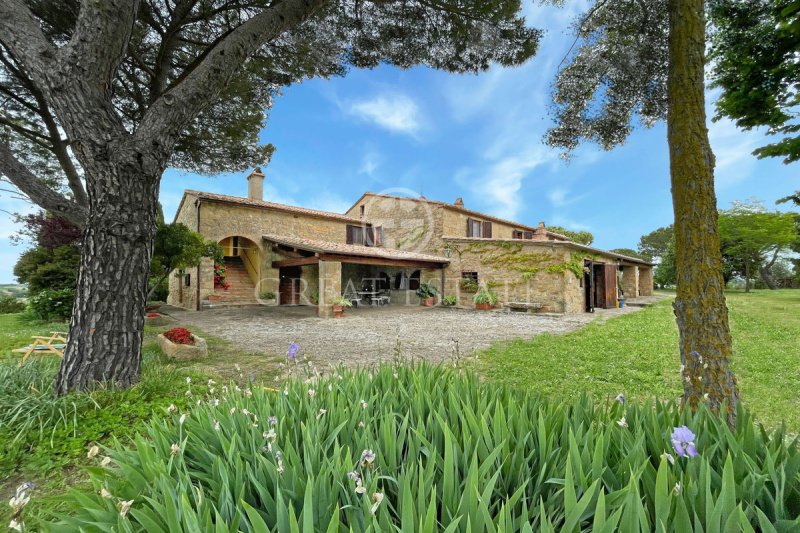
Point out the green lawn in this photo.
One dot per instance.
(636, 354)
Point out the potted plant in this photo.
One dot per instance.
(469, 285)
(449, 300)
(339, 304)
(268, 297)
(180, 343)
(484, 299)
(427, 293)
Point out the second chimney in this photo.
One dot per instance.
(459, 202)
(255, 185)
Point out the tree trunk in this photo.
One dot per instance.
(746, 275)
(766, 275)
(107, 324)
(700, 310)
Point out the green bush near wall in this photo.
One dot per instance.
(430, 449)
(52, 304)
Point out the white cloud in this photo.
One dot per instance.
(733, 149)
(498, 185)
(370, 162)
(329, 202)
(394, 112)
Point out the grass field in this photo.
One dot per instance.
(636, 354)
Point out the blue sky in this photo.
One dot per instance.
(478, 137)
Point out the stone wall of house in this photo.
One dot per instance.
(498, 265)
(645, 281)
(330, 285)
(408, 224)
(455, 225)
(630, 281)
(220, 220)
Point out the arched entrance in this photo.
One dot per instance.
(238, 278)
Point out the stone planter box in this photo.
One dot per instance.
(183, 352)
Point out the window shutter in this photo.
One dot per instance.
(487, 230)
(370, 236)
(349, 239)
(469, 228)
(528, 235)
(379, 236)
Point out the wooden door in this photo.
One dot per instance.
(289, 286)
(599, 278)
(611, 285)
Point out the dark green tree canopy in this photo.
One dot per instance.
(615, 74)
(754, 48)
(581, 237)
(657, 242)
(171, 39)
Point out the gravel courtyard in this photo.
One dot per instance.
(370, 335)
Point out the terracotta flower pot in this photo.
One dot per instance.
(428, 302)
(338, 311)
(484, 307)
(214, 297)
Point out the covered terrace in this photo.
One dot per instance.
(312, 272)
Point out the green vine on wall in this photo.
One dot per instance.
(511, 255)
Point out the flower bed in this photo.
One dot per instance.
(393, 448)
(180, 343)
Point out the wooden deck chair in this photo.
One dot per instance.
(55, 343)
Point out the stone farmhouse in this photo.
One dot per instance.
(285, 255)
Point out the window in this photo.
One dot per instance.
(516, 234)
(363, 208)
(187, 280)
(355, 235)
(477, 228)
(364, 235)
(470, 275)
(413, 281)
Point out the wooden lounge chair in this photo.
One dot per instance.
(55, 343)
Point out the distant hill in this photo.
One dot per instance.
(12, 289)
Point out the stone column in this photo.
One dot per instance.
(330, 286)
(646, 281)
(630, 281)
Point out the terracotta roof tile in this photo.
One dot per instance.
(272, 205)
(312, 245)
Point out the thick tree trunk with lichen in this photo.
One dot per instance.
(700, 310)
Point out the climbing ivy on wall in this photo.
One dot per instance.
(512, 256)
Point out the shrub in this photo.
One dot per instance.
(427, 290)
(485, 297)
(53, 304)
(179, 336)
(449, 300)
(424, 449)
(341, 301)
(267, 295)
(9, 304)
(469, 285)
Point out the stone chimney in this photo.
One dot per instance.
(459, 202)
(255, 185)
(540, 233)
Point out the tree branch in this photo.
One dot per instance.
(100, 40)
(21, 34)
(173, 110)
(36, 190)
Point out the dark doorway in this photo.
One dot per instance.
(289, 285)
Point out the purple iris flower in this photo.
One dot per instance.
(683, 442)
(294, 349)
